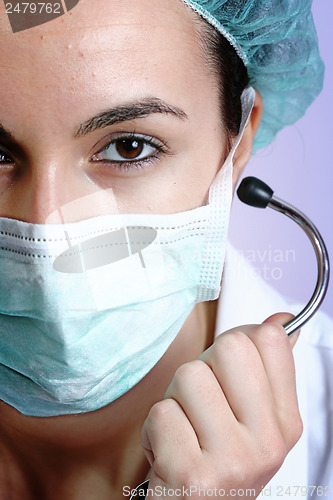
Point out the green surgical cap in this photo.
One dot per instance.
(277, 41)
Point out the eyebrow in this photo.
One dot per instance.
(119, 114)
(5, 134)
(128, 112)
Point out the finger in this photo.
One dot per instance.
(169, 440)
(198, 392)
(282, 319)
(238, 367)
(275, 350)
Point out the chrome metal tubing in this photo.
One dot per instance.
(322, 262)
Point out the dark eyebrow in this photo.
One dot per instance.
(131, 111)
(4, 133)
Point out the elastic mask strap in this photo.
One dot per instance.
(247, 101)
(225, 173)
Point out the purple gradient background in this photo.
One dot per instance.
(299, 168)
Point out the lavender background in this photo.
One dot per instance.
(299, 168)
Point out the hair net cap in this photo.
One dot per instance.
(277, 42)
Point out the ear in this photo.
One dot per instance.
(244, 149)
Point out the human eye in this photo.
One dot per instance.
(5, 159)
(130, 150)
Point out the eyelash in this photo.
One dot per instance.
(5, 156)
(161, 147)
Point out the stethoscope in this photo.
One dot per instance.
(256, 193)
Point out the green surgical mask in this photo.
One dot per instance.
(88, 308)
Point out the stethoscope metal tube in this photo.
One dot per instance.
(254, 192)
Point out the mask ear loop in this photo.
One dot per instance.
(247, 102)
(218, 214)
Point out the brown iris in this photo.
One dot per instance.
(129, 148)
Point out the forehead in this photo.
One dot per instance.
(101, 48)
(140, 32)
(96, 13)
(101, 27)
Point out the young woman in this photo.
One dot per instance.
(124, 128)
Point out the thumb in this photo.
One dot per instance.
(282, 319)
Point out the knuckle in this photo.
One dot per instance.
(275, 454)
(231, 343)
(296, 430)
(292, 427)
(187, 371)
(189, 476)
(161, 410)
(238, 471)
(191, 472)
(199, 477)
(273, 334)
(161, 464)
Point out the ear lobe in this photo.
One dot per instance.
(244, 149)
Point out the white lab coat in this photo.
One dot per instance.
(245, 299)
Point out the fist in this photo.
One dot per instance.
(228, 419)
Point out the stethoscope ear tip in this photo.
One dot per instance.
(254, 192)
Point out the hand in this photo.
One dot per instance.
(228, 419)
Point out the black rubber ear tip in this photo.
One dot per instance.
(254, 192)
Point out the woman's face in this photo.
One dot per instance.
(144, 70)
